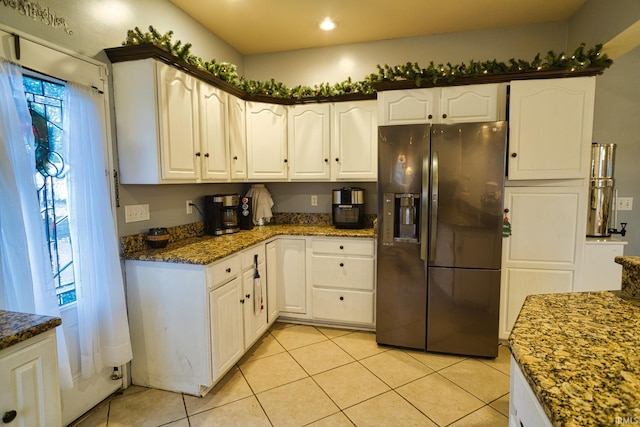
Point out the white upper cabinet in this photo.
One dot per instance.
(454, 104)
(550, 133)
(354, 149)
(309, 142)
(179, 123)
(214, 152)
(237, 138)
(403, 107)
(266, 141)
(171, 127)
(472, 103)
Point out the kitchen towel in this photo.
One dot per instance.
(261, 203)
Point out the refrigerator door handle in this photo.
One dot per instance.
(424, 205)
(434, 207)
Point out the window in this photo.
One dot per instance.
(44, 99)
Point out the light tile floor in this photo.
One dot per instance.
(298, 375)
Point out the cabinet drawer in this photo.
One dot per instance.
(342, 272)
(223, 271)
(248, 254)
(343, 306)
(353, 246)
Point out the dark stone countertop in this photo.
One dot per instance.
(17, 327)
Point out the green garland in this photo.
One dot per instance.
(410, 71)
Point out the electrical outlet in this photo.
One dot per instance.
(624, 203)
(189, 207)
(135, 213)
(314, 200)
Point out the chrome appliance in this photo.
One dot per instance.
(221, 214)
(601, 189)
(440, 201)
(348, 207)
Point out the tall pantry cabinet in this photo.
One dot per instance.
(550, 127)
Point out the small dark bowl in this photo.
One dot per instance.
(158, 237)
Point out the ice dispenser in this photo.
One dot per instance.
(402, 212)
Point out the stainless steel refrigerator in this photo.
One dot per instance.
(440, 218)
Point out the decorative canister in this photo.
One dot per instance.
(158, 237)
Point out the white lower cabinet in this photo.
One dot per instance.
(524, 408)
(342, 280)
(599, 269)
(254, 298)
(544, 252)
(291, 276)
(190, 323)
(30, 391)
(227, 332)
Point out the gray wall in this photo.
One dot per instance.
(617, 108)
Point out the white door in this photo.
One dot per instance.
(402, 107)
(544, 252)
(266, 141)
(550, 128)
(214, 147)
(255, 319)
(309, 142)
(292, 289)
(472, 103)
(272, 281)
(237, 138)
(355, 141)
(227, 343)
(178, 112)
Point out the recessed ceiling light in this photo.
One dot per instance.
(328, 24)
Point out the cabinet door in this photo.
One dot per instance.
(178, 111)
(600, 271)
(355, 141)
(29, 378)
(266, 141)
(518, 283)
(401, 107)
(272, 281)
(309, 142)
(472, 103)
(214, 150)
(255, 316)
(550, 124)
(237, 138)
(342, 305)
(227, 342)
(544, 252)
(342, 272)
(292, 276)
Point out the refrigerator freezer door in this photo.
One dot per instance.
(463, 307)
(401, 312)
(471, 171)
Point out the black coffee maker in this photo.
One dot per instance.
(221, 214)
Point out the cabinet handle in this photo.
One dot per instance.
(198, 154)
(248, 296)
(285, 160)
(326, 160)
(341, 247)
(341, 298)
(506, 210)
(444, 116)
(206, 154)
(430, 116)
(242, 301)
(9, 416)
(337, 159)
(235, 157)
(342, 264)
(514, 155)
(228, 270)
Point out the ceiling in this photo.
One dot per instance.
(260, 26)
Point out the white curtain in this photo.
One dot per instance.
(102, 316)
(26, 279)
